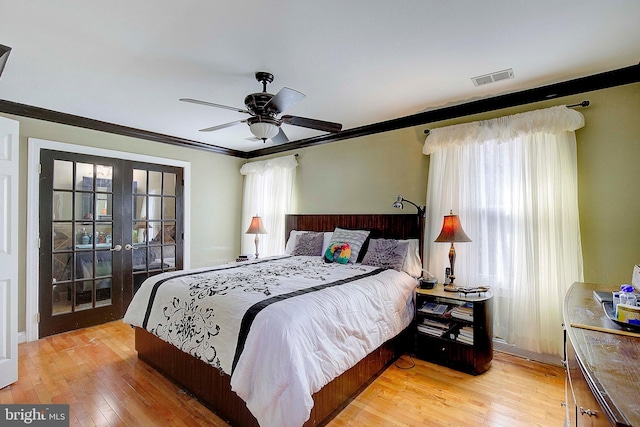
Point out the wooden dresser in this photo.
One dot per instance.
(603, 368)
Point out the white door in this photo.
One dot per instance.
(8, 251)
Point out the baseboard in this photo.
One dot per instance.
(550, 359)
(22, 337)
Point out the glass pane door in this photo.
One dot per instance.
(80, 277)
(105, 226)
(154, 221)
(82, 233)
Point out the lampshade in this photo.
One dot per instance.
(256, 226)
(452, 230)
(264, 130)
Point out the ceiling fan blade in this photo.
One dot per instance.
(312, 123)
(280, 138)
(226, 125)
(284, 99)
(211, 104)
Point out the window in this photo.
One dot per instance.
(268, 187)
(513, 182)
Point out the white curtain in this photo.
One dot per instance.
(513, 183)
(268, 188)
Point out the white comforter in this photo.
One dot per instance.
(279, 340)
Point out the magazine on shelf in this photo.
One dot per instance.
(433, 308)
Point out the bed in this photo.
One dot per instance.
(203, 371)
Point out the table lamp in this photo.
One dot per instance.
(452, 232)
(256, 228)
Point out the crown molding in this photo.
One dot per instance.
(604, 80)
(23, 110)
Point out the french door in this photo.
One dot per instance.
(105, 225)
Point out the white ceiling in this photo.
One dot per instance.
(359, 62)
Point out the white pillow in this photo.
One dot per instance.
(412, 264)
(293, 237)
(326, 241)
(291, 243)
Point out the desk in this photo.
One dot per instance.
(607, 363)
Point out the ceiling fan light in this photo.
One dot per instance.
(264, 130)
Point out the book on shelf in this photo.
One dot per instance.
(465, 335)
(465, 339)
(433, 308)
(444, 325)
(430, 330)
(463, 313)
(462, 317)
(466, 331)
(441, 323)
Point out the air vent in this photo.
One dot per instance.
(493, 77)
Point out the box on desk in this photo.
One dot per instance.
(628, 314)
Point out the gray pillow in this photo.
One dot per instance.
(355, 239)
(309, 244)
(386, 253)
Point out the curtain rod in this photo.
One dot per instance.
(579, 104)
(294, 155)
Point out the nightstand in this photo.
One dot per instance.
(453, 329)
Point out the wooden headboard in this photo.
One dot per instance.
(387, 226)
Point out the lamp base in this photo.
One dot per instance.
(256, 241)
(452, 262)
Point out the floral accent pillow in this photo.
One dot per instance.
(386, 253)
(309, 244)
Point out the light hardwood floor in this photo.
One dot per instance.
(96, 371)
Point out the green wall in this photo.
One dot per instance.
(609, 184)
(364, 175)
(216, 191)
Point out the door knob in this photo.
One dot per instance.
(116, 248)
(588, 412)
(129, 247)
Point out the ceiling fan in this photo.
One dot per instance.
(264, 109)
